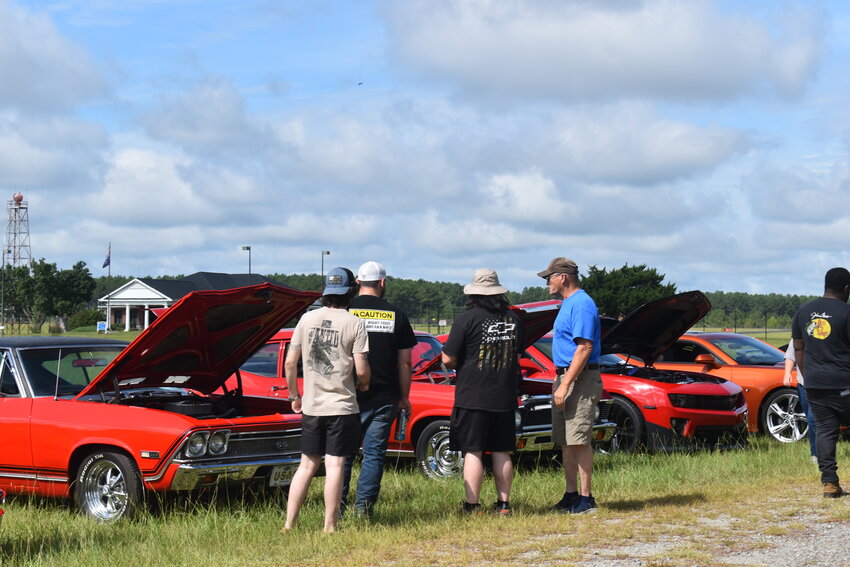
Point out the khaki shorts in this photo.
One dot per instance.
(573, 425)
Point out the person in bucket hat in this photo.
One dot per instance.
(485, 345)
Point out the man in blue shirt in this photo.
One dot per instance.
(575, 352)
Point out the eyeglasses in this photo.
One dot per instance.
(549, 277)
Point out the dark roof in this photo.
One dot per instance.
(25, 342)
(175, 289)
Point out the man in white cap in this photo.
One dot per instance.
(391, 339)
(485, 345)
(332, 345)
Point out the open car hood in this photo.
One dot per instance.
(537, 318)
(203, 339)
(650, 329)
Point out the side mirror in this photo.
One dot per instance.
(706, 359)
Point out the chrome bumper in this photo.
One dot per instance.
(190, 476)
(541, 439)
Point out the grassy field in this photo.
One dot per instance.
(683, 509)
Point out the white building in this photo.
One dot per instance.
(132, 305)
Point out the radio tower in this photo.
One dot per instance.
(16, 245)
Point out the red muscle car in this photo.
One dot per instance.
(103, 422)
(660, 410)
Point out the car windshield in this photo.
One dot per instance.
(544, 345)
(747, 350)
(264, 361)
(427, 347)
(65, 371)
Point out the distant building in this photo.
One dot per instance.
(132, 303)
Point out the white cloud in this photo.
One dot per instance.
(144, 188)
(631, 143)
(209, 118)
(41, 69)
(523, 197)
(53, 154)
(575, 49)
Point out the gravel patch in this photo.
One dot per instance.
(787, 538)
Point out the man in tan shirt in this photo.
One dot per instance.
(332, 345)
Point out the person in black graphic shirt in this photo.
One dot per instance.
(485, 345)
(821, 333)
(391, 339)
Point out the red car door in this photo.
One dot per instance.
(16, 468)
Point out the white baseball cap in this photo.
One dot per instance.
(371, 271)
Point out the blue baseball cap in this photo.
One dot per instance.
(338, 281)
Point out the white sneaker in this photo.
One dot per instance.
(815, 459)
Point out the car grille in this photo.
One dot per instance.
(605, 409)
(263, 444)
(718, 403)
(537, 411)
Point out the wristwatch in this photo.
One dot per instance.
(295, 397)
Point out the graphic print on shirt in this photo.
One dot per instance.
(498, 344)
(324, 341)
(819, 327)
(376, 320)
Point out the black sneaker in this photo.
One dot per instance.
(502, 507)
(565, 504)
(472, 509)
(583, 505)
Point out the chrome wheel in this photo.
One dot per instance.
(784, 418)
(108, 486)
(435, 458)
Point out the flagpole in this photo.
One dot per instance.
(108, 279)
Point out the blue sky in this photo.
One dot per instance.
(706, 139)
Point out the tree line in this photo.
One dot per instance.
(68, 299)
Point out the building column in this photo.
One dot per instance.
(127, 317)
(147, 316)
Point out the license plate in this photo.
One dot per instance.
(282, 476)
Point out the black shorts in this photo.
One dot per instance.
(337, 435)
(482, 430)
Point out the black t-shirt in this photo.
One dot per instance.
(389, 332)
(824, 326)
(486, 346)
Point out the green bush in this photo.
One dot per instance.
(85, 318)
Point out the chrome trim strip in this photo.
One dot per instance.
(62, 479)
(38, 478)
(400, 453)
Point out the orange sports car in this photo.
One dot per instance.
(752, 364)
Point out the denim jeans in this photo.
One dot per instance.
(375, 425)
(830, 409)
(810, 419)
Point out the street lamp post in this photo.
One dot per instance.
(324, 253)
(248, 248)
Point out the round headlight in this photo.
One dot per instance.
(218, 442)
(596, 412)
(196, 445)
(518, 420)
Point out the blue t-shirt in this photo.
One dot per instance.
(578, 318)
